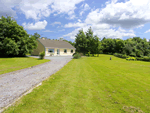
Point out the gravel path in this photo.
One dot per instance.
(15, 84)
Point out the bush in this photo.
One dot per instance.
(146, 58)
(81, 54)
(86, 54)
(75, 53)
(120, 55)
(110, 53)
(131, 58)
(77, 56)
(143, 58)
(42, 54)
(101, 52)
(133, 54)
(89, 53)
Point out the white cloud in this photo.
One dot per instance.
(125, 16)
(147, 40)
(78, 24)
(66, 6)
(130, 14)
(72, 34)
(37, 26)
(79, 20)
(86, 7)
(48, 31)
(38, 9)
(103, 30)
(147, 31)
(55, 23)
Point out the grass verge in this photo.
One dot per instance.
(16, 63)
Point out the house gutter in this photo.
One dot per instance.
(60, 48)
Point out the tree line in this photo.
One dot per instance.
(87, 42)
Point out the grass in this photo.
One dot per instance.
(17, 63)
(92, 84)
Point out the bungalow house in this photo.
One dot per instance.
(54, 47)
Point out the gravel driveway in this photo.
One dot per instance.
(14, 84)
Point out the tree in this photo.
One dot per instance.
(90, 41)
(119, 45)
(14, 40)
(81, 42)
(97, 45)
(87, 42)
(109, 45)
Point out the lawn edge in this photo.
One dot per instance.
(13, 72)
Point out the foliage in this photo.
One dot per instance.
(77, 56)
(81, 42)
(134, 47)
(74, 54)
(86, 42)
(89, 53)
(120, 55)
(143, 58)
(14, 40)
(42, 54)
(131, 58)
(81, 54)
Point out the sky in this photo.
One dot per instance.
(56, 19)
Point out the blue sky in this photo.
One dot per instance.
(56, 19)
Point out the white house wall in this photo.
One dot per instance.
(61, 52)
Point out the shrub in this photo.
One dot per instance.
(133, 54)
(42, 54)
(74, 53)
(101, 52)
(146, 59)
(110, 53)
(121, 55)
(81, 54)
(89, 53)
(86, 54)
(148, 55)
(131, 58)
(77, 56)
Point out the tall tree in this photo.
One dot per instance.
(90, 40)
(119, 45)
(81, 42)
(14, 40)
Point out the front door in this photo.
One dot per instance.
(58, 51)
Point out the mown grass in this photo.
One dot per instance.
(17, 63)
(92, 84)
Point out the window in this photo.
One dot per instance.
(71, 50)
(65, 50)
(51, 50)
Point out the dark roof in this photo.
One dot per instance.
(55, 43)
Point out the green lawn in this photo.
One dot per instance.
(17, 63)
(92, 84)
